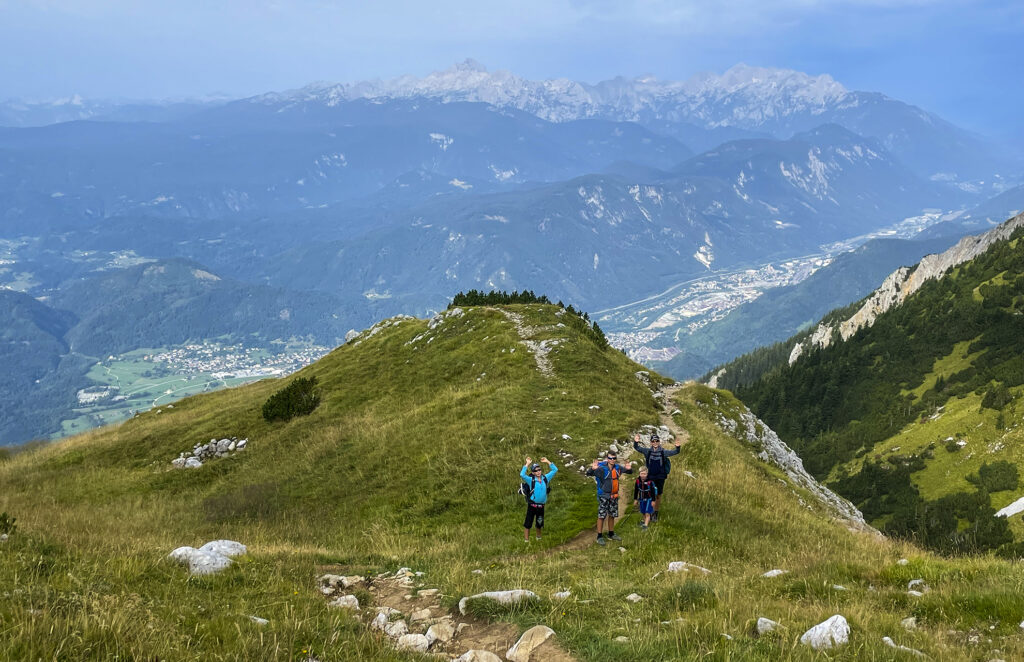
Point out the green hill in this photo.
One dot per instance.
(916, 415)
(411, 460)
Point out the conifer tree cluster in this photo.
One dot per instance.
(578, 319)
(298, 398)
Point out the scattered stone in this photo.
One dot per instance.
(902, 562)
(3, 537)
(380, 621)
(531, 639)
(566, 437)
(689, 474)
(919, 583)
(190, 463)
(892, 644)
(228, 548)
(622, 549)
(420, 615)
(594, 407)
(909, 623)
(413, 642)
(633, 597)
(916, 594)
(622, 639)
(833, 632)
(478, 656)
(774, 573)
(561, 595)
(351, 335)
(442, 632)
(396, 629)
(200, 562)
(429, 592)
(345, 602)
(503, 597)
(765, 625)
(462, 626)
(838, 587)
(683, 566)
(259, 621)
(478, 572)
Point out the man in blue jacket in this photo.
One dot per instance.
(658, 465)
(607, 476)
(536, 483)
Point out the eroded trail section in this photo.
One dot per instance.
(668, 408)
(539, 348)
(409, 614)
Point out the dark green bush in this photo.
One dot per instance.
(996, 476)
(297, 399)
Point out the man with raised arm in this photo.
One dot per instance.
(658, 465)
(535, 487)
(606, 474)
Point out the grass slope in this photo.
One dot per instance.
(412, 459)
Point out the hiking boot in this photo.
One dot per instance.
(654, 516)
(614, 536)
(643, 526)
(600, 541)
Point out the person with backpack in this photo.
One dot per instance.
(644, 493)
(658, 465)
(535, 488)
(606, 475)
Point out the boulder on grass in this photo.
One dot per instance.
(502, 597)
(531, 640)
(833, 632)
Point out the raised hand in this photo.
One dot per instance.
(629, 465)
(678, 443)
(545, 460)
(595, 464)
(636, 438)
(528, 460)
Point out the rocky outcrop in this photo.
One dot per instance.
(209, 559)
(742, 424)
(902, 283)
(833, 632)
(204, 452)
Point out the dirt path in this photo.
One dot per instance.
(539, 349)
(667, 407)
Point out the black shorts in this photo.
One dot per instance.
(660, 484)
(534, 514)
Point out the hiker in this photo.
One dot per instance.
(644, 493)
(606, 475)
(535, 487)
(658, 464)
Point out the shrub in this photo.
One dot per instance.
(996, 477)
(297, 399)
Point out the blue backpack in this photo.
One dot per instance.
(526, 489)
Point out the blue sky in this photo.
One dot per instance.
(959, 58)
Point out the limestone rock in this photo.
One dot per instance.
(259, 621)
(622, 639)
(503, 597)
(192, 463)
(919, 585)
(429, 592)
(765, 625)
(909, 623)
(380, 621)
(633, 597)
(228, 548)
(351, 335)
(200, 562)
(413, 642)
(892, 644)
(774, 573)
(345, 602)
(420, 615)
(396, 629)
(531, 639)
(683, 566)
(561, 595)
(902, 562)
(833, 632)
(478, 656)
(442, 631)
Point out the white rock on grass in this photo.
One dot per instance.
(259, 621)
(839, 587)
(902, 562)
(531, 639)
(413, 642)
(502, 597)
(622, 639)
(442, 631)
(429, 592)
(345, 602)
(228, 548)
(3, 537)
(892, 644)
(765, 625)
(192, 463)
(380, 621)
(833, 632)
(478, 656)
(918, 584)
(774, 573)
(633, 597)
(561, 595)
(916, 594)
(420, 615)
(909, 623)
(200, 562)
(683, 566)
(396, 629)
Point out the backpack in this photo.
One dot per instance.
(526, 489)
(666, 461)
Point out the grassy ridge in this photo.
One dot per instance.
(412, 459)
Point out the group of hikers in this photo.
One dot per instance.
(648, 488)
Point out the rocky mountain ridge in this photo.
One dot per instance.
(902, 283)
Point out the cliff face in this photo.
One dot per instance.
(903, 282)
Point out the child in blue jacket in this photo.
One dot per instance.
(537, 494)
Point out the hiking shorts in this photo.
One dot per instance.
(607, 506)
(646, 506)
(534, 515)
(660, 484)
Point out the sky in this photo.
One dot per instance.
(959, 58)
